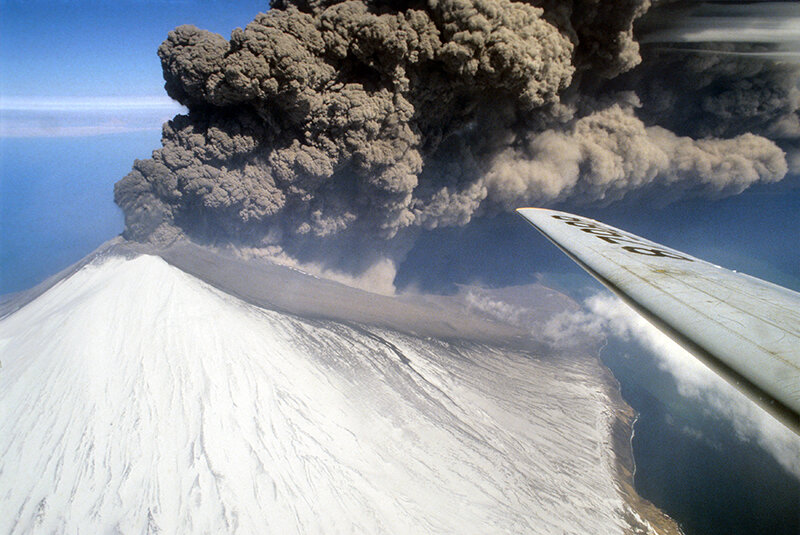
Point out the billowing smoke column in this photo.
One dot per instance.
(325, 121)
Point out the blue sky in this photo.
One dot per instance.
(80, 68)
(99, 48)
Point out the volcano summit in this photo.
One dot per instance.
(136, 397)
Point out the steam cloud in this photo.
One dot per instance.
(603, 315)
(325, 121)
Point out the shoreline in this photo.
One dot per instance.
(622, 433)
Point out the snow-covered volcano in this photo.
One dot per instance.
(135, 398)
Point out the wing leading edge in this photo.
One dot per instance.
(746, 329)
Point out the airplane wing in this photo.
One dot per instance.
(745, 329)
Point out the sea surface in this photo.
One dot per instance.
(56, 200)
(692, 465)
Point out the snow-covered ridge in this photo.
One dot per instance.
(137, 398)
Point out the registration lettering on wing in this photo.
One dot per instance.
(628, 243)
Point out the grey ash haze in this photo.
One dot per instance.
(350, 126)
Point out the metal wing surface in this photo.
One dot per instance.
(744, 328)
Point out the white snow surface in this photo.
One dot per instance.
(135, 398)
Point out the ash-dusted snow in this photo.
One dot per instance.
(135, 398)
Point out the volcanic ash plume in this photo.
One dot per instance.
(325, 121)
(722, 70)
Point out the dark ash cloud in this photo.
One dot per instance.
(325, 123)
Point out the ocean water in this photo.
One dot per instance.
(56, 200)
(693, 465)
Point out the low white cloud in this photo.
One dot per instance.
(609, 315)
(377, 278)
(570, 329)
(65, 104)
(83, 116)
(494, 308)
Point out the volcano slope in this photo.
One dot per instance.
(136, 397)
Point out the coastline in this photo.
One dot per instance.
(622, 433)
